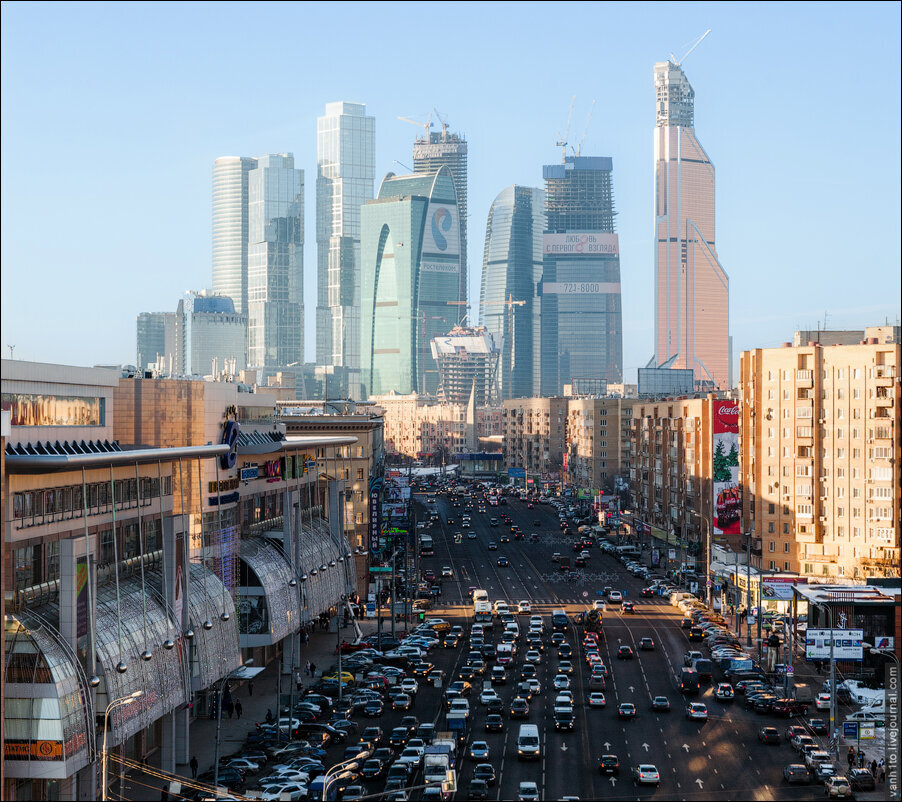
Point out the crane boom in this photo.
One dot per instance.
(579, 148)
(695, 45)
(425, 126)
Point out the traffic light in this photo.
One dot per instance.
(422, 616)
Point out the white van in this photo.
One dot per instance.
(528, 745)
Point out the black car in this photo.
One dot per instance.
(861, 780)
(564, 651)
(485, 771)
(564, 721)
(478, 789)
(399, 736)
(494, 722)
(609, 764)
(495, 705)
(502, 561)
(229, 777)
(373, 708)
(769, 735)
(519, 708)
(372, 769)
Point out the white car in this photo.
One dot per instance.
(697, 711)
(447, 571)
(487, 696)
(244, 764)
(615, 597)
(596, 699)
(562, 682)
(528, 791)
(535, 686)
(598, 604)
(524, 607)
(411, 755)
(533, 657)
(823, 701)
(294, 791)
(646, 774)
(409, 685)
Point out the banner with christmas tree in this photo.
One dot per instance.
(725, 467)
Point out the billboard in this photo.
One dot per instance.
(516, 473)
(375, 497)
(780, 587)
(442, 234)
(580, 288)
(725, 467)
(846, 644)
(580, 243)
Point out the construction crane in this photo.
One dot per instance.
(579, 147)
(562, 140)
(443, 119)
(695, 44)
(425, 126)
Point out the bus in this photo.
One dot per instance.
(559, 621)
(427, 548)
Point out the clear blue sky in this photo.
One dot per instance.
(112, 115)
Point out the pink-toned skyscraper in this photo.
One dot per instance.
(692, 291)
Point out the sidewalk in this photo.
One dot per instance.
(319, 650)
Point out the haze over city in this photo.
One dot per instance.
(113, 115)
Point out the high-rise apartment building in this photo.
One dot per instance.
(598, 442)
(821, 449)
(692, 290)
(275, 262)
(345, 172)
(511, 271)
(156, 333)
(448, 150)
(230, 228)
(581, 326)
(410, 265)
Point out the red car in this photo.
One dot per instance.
(429, 575)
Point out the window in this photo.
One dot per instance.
(785, 565)
(770, 527)
(773, 566)
(771, 546)
(786, 547)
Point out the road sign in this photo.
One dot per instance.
(380, 569)
(850, 729)
(585, 593)
(867, 729)
(790, 670)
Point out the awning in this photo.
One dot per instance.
(270, 611)
(216, 651)
(317, 548)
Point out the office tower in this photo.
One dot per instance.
(448, 150)
(511, 271)
(820, 456)
(692, 291)
(345, 172)
(230, 228)
(467, 360)
(581, 320)
(211, 337)
(410, 269)
(275, 262)
(155, 338)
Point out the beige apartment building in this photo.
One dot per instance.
(672, 477)
(535, 435)
(820, 458)
(598, 441)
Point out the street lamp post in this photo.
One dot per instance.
(122, 702)
(833, 734)
(225, 679)
(336, 769)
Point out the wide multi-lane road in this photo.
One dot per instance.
(717, 759)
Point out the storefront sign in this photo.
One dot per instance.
(224, 485)
(250, 472)
(847, 644)
(33, 750)
(780, 587)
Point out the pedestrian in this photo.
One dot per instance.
(164, 794)
(250, 688)
(312, 669)
(851, 756)
(193, 765)
(881, 771)
(874, 769)
(268, 716)
(861, 759)
(307, 668)
(230, 708)
(238, 709)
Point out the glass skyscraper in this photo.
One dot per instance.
(581, 318)
(230, 228)
(275, 262)
(692, 290)
(345, 145)
(410, 271)
(209, 332)
(511, 271)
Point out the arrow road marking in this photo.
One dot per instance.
(700, 783)
(607, 746)
(563, 747)
(645, 747)
(613, 782)
(686, 747)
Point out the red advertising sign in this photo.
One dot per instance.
(725, 467)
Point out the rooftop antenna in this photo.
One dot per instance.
(695, 44)
(579, 147)
(11, 349)
(562, 140)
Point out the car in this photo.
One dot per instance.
(596, 699)
(822, 701)
(485, 771)
(564, 651)
(818, 726)
(648, 592)
(478, 789)
(556, 557)
(626, 710)
(471, 535)
(528, 791)
(524, 607)
(479, 750)
(799, 742)
(625, 653)
(628, 607)
(486, 696)
(797, 773)
(244, 764)
(609, 764)
(503, 561)
(696, 711)
(494, 723)
(769, 735)
(564, 719)
(646, 644)
(660, 704)
(561, 682)
(401, 701)
(838, 787)
(505, 538)
(724, 692)
(861, 780)
(815, 757)
(493, 546)
(565, 667)
(399, 737)
(373, 708)
(447, 571)
(823, 771)
(519, 708)
(646, 774)
(615, 597)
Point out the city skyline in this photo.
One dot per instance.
(804, 258)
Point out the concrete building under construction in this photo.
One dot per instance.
(467, 360)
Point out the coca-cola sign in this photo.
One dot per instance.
(725, 467)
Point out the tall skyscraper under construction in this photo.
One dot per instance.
(692, 290)
(449, 150)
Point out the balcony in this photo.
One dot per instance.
(804, 378)
(883, 401)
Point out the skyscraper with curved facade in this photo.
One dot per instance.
(692, 290)
(511, 271)
(582, 323)
(410, 260)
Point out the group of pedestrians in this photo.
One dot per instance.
(878, 770)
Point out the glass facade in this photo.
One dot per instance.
(410, 270)
(155, 337)
(581, 317)
(275, 262)
(230, 228)
(346, 171)
(209, 331)
(692, 290)
(511, 271)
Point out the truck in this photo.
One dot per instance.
(482, 613)
(459, 725)
(438, 760)
(593, 621)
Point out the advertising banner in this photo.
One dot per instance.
(516, 473)
(655, 558)
(580, 288)
(725, 467)
(577, 243)
(442, 234)
(81, 598)
(846, 644)
(375, 500)
(780, 587)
